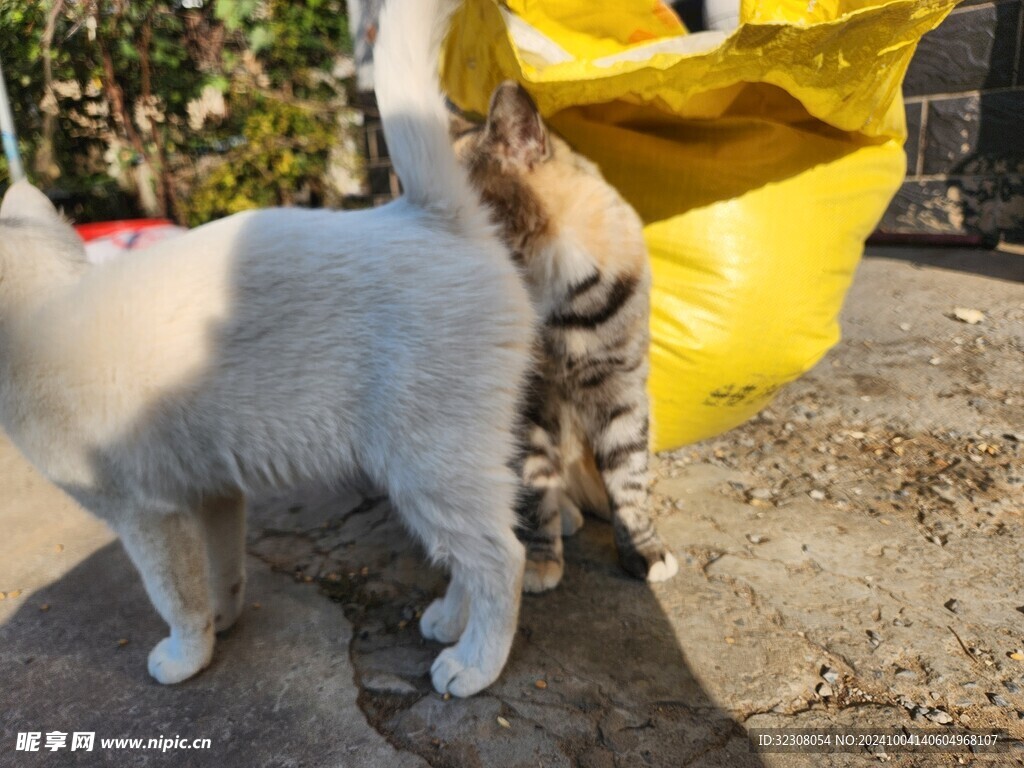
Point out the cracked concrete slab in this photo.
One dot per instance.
(852, 558)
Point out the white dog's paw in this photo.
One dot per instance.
(663, 570)
(442, 622)
(451, 673)
(173, 660)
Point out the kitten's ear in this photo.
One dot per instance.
(23, 201)
(515, 128)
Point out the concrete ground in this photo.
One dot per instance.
(850, 559)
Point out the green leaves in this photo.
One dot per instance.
(285, 150)
(260, 38)
(235, 114)
(235, 13)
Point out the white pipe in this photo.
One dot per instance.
(10, 139)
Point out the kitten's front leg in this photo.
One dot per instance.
(223, 519)
(169, 550)
(621, 454)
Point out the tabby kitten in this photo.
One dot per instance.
(580, 247)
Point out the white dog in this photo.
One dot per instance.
(279, 347)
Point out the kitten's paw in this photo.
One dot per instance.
(227, 608)
(542, 575)
(173, 659)
(663, 570)
(652, 563)
(451, 673)
(572, 518)
(442, 623)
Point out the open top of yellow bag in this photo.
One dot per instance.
(844, 61)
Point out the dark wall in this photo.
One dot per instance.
(964, 96)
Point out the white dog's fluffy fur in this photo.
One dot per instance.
(279, 347)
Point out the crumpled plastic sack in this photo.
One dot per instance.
(759, 161)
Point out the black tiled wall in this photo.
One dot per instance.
(964, 94)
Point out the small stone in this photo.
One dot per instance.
(952, 605)
(934, 361)
(824, 690)
(1017, 655)
(997, 700)
(906, 674)
(755, 538)
(122, 642)
(817, 495)
(969, 316)
(44, 607)
(1011, 686)
(59, 548)
(940, 717)
(762, 494)
(503, 722)
(917, 714)
(904, 326)
(829, 675)
(542, 684)
(874, 638)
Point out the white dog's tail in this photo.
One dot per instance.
(412, 108)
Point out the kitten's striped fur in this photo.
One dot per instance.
(581, 249)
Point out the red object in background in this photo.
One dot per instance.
(104, 239)
(109, 228)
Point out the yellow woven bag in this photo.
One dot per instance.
(759, 161)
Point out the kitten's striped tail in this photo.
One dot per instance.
(412, 108)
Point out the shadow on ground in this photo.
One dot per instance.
(996, 264)
(272, 696)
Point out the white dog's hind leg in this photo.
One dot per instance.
(467, 522)
(223, 519)
(494, 562)
(170, 553)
